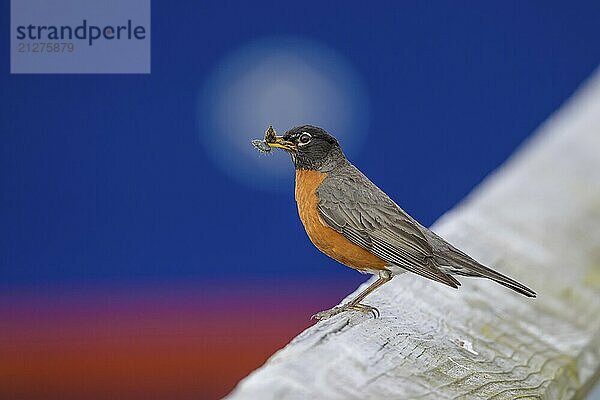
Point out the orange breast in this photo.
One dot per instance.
(326, 239)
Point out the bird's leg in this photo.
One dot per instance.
(355, 305)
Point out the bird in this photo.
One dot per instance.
(350, 219)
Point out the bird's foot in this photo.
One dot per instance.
(364, 308)
(323, 315)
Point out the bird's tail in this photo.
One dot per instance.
(462, 264)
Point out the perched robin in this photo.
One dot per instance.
(350, 219)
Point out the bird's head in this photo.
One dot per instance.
(310, 147)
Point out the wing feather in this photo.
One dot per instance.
(352, 205)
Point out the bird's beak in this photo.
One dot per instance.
(280, 143)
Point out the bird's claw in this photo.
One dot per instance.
(366, 309)
(325, 314)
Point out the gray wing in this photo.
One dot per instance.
(352, 205)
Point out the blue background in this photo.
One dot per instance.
(104, 177)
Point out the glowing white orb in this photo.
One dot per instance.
(284, 82)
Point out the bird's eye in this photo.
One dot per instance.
(304, 138)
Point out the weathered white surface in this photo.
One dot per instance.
(538, 220)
